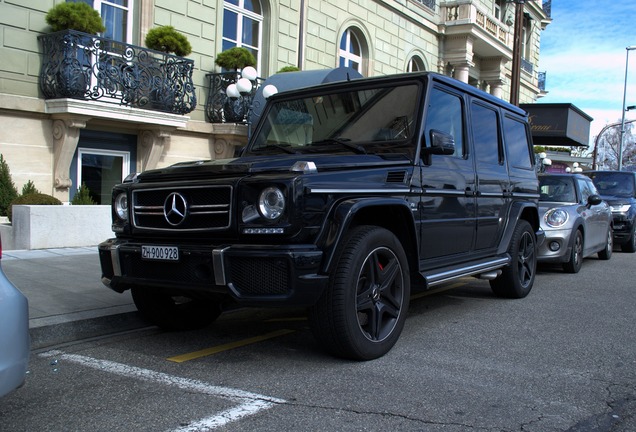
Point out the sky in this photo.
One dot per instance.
(583, 52)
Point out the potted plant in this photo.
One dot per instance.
(75, 16)
(71, 67)
(235, 58)
(169, 40)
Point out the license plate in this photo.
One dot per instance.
(161, 253)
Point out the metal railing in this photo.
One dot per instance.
(81, 66)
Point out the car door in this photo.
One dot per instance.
(596, 216)
(492, 181)
(446, 211)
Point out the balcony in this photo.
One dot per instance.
(80, 66)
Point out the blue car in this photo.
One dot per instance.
(14, 335)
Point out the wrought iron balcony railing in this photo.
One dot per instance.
(81, 66)
(221, 108)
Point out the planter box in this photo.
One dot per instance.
(53, 226)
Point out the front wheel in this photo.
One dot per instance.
(175, 312)
(362, 312)
(606, 253)
(517, 279)
(573, 265)
(630, 245)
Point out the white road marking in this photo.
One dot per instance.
(248, 403)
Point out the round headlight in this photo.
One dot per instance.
(121, 206)
(271, 203)
(556, 218)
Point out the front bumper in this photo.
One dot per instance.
(555, 239)
(254, 275)
(623, 227)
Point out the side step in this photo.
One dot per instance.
(486, 268)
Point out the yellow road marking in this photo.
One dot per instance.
(228, 346)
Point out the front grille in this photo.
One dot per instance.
(195, 208)
(260, 276)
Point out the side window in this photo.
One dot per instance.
(517, 144)
(444, 113)
(485, 127)
(587, 189)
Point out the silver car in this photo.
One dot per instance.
(14, 335)
(576, 221)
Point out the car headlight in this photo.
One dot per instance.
(556, 218)
(271, 203)
(621, 208)
(121, 206)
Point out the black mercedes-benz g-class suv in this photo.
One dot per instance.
(346, 196)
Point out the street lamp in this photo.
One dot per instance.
(620, 147)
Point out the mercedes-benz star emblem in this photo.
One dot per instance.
(175, 209)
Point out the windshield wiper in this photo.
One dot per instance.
(358, 149)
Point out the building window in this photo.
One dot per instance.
(242, 26)
(116, 17)
(100, 170)
(415, 64)
(500, 9)
(350, 51)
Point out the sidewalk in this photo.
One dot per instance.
(67, 300)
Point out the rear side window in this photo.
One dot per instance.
(517, 144)
(485, 126)
(444, 113)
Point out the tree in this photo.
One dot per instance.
(608, 143)
(8, 191)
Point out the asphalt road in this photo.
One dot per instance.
(562, 359)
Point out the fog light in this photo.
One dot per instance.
(554, 246)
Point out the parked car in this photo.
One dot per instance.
(618, 188)
(14, 335)
(576, 221)
(347, 194)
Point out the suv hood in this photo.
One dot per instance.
(616, 200)
(278, 163)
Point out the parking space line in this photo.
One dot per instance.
(247, 403)
(228, 346)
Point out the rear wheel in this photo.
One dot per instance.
(517, 279)
(362, 312)
(172, 312)
(606, 253)
(573, 265)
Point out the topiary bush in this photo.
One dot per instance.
(289, 69)
(8, 191)
(75, 16)
(167, 39)
(33, 199)
(29, 188)
(83, 196)
(235, 58)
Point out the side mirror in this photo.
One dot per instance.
(594, 200)
(441, 144)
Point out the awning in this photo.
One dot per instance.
(558, 124)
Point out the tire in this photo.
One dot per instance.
(361, 314)
(174, 312)
(517, 279)
(573, 265)
(630, 244)
(606, 253)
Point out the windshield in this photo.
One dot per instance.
(557, 189)
(615, 184)
(370, 120)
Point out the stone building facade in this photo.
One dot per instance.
(61, 142)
